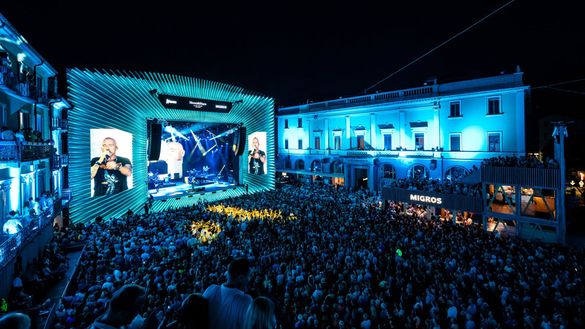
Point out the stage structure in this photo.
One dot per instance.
(110, 138)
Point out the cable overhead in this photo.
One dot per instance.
(440, 45)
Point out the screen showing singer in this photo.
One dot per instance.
(110, 170)
(256, 153)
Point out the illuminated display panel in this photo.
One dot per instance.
(125, 102)
(194, 157)
(111, 161)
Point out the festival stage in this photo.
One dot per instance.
(179, 189)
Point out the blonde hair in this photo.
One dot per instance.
(260, 314)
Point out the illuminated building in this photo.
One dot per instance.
(32, 146)
(434, 131)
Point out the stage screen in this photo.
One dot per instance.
(121, 105)
(194, 157)
(111, 161)
(257, 153)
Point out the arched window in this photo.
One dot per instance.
(300, 165)
(337, 167)
(456, 173)
(418, 171)
(388, 171)
(316, 166)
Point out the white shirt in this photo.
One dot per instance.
(227, 306)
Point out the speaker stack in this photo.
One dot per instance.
(154, 138)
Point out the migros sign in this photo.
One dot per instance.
(426, 198)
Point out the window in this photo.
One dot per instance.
(337, 141)
(494, 106)
(286, 144)
(494, 142)
(361, 143)
(419, 141)
(39, 122)
(317, 143)
(24, 120)
(455, 109)
(3, 115)
(285, 123)
(387, 142)
(300, 122)
(300, 144)
(455, 142)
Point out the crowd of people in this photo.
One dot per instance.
(438, 186)
(521, 161)
(347, 261)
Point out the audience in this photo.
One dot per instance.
(260, 314)
(522, 161)
(338, 259)
(123, 310)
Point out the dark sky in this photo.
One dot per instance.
(295, 51)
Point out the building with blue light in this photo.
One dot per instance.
(32, 149)
(434, 131)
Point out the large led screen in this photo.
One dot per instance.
(108, 131)
(194, 157)
(257, 153)
(111, 162)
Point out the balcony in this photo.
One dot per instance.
(392, 96)
(28, 151)
(58, 124)
(11, 245)
(59, 161)
(21, 87)
(527, 177)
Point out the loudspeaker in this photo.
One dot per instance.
(154, 141)
(242, 140)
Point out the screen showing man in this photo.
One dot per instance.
(174, 158)
(256, 154)
(110, 171)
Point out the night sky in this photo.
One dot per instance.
(298, 52)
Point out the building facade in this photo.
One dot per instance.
(435, 131)
(33, 138)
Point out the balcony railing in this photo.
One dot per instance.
(528, 177)
(21, 86)
(11, 246)
(420, 92)
(28, 151)
(59, 124)
(59, 161)
(466, 155)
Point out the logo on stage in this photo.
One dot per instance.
(188, 103)
(426, 198)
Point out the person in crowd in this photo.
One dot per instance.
(109, 171)
(7, 134)
(260, 314)
(193, 314)
(228, 302)
(125, 305)
(15, 320)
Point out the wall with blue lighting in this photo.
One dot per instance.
(121, 100)
(403, 114)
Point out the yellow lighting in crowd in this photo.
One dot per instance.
(205, 231)
(240, 214)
